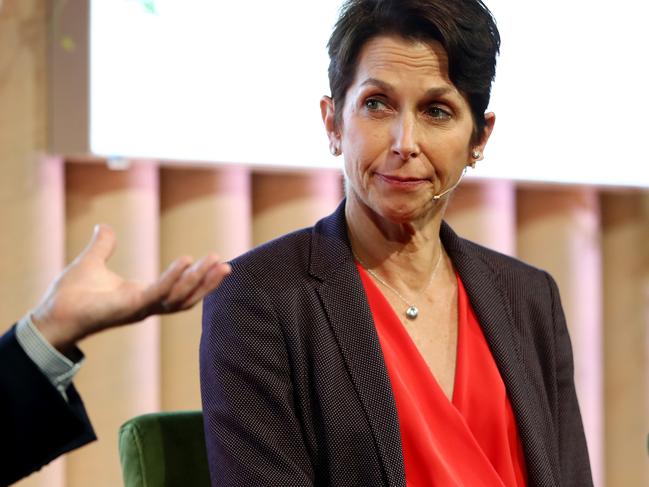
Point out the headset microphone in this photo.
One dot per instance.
(446, 191)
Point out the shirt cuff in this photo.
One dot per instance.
(59, 369)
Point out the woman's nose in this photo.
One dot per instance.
(405, 141)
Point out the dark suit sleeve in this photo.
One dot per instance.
(253, 435)
(573, 451)
(38, 424)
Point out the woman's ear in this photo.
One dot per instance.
(490, 122)
(327, 109)
(478, 149)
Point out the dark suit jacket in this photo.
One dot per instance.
(38, 425)
(295, 388)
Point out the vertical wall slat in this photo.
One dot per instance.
(31, 185)
(485, 212)
(120, 378)
(202, 210)
(625, 217)
(286, 201)
(559, 231)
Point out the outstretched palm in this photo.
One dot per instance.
(88, 297)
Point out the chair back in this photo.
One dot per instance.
(164, 450)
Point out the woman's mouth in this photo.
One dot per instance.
(401, 181)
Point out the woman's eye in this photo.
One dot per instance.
(374, 104)
(438, 113)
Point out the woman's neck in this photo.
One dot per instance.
(402, 253)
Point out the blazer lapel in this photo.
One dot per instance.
(494, 314)
(343, 298)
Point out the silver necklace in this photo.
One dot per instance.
(411, 311)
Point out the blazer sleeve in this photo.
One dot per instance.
(253, 434)
(38, 423)
(573, 451)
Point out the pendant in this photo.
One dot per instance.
(412, 312)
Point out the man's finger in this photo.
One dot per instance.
(212, 279)
(102, 244)
(157, 292)
(190, 280)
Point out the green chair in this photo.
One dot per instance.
(164, 450)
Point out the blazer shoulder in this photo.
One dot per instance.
(284, 259)
(511, 274)
(521, 283)
(501, 263)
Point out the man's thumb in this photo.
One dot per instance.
(102, 244)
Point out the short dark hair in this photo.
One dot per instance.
(465, 28)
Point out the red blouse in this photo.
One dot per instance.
(469, 441)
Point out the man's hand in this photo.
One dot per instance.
(87, 297)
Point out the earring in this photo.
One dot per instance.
(476, 154)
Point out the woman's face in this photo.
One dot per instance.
(405, 131)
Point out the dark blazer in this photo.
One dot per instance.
(38, 425)
(295, 388)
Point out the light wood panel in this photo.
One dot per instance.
(202, 210)
(485, 212)
(31, 185)
(120, 378)
(626, 336)
(559, 231)
(286, 201)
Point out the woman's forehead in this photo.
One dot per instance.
(389, 60)
(417, 52)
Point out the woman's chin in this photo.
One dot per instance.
(404, 214)
(395, 210)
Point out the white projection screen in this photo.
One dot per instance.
(215, 81)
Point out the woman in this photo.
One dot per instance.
(378, 347)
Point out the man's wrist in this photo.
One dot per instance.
(58, 368)
(56, 334)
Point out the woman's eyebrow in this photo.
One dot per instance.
(439, 91)
(378, 83)
(430, 93)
